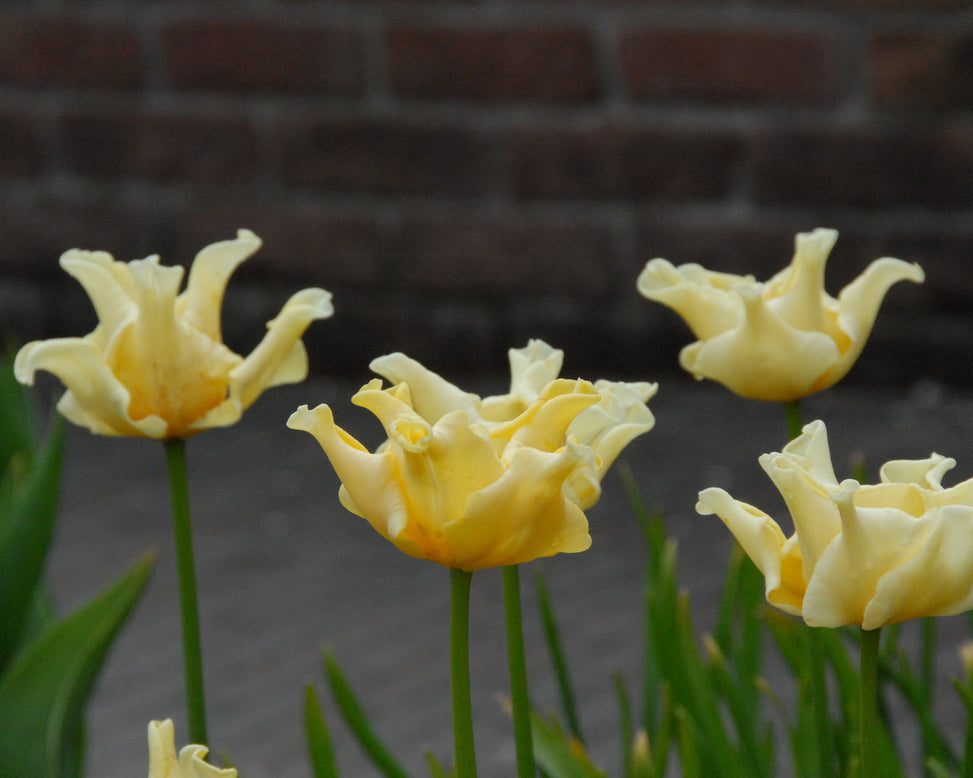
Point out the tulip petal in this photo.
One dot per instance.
(110, 287)
(531, 369)
(163, 762)
(703, 298)
(872, 542)
(620, 416)
(756, 360)
(861, 299)
(796, 294)
(280, 358)
(778, 558)
(544, 423)
(804, 475)
(434, 396)
(95, 398)
(199, 306)
(909, 591)
(524, 514)
(191, 762)
(368, 480)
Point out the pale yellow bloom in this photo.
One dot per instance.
(780, 340)
(190, 763)
(156, 366)
(440, 491)
(619, 416)
(866, 555)
(464, 491)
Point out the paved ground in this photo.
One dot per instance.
(284, 569)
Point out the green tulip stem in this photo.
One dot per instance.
(464, 746)
(817, 681)
(517, 662)
(795, 423)
(191, 644)
(870, 721)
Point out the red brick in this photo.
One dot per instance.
(22, 154)
(549, 65)
(385, 157)
(869, 168)
(605, 162)
(253, 55)
(48, 52)
(730, 65)
(928, 70)
(888, 5)
(107, 144)
(752, 247)
(36, 232)
(506, 254)
(301, 243)
(945, 256)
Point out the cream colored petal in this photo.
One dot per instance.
(95, 399)
(926, 473)
(389, 405)
(765, 358)
(534, 367)
(433, 396)
(763, 541)
(797, 294)
(163, 762)
(584, 484)
(108, 284)
(936, 581)
(370, 480)
(861, 299)
(544, 425)
(811, 452)
(702, 298)
(872, 542)
(620, 416)
(437, 483)
(531, 369)
(200, 304)
(859, 303)
(280, 357)
(194, 765)
(525, 514)
(816, 520)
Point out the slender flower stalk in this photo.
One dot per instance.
(517, 662)
(464, 746)
(817, 688)
(795, 423)
(870, 721)
(191, 643)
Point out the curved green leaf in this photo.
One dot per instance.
(43, 692)
(318, 739)
(27, 511)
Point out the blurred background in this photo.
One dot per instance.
(464, 176)
(467, 175)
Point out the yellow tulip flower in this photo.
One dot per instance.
(191, 763)
(619, 416)
(156, 366)
(780, 340)
(455, 488)
(867, 555)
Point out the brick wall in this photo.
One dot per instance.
(465, 175)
